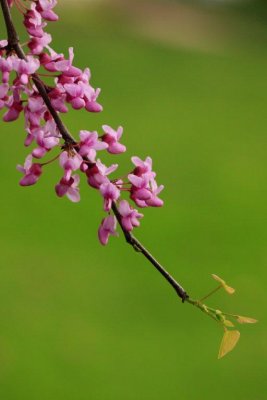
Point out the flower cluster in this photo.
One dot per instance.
(70, 87)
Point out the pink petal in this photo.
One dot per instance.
(73, 194)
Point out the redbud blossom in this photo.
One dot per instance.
(69, 162)
(6, 66)
(129, 216)
(107, 228)
(69, 187)
(45, 9)
(33, 22)
(97, 173)
(32, 172)
(25, 68)
(36, 44)
(112, 137)
(89, 144)
(142, 167)
(110, 193)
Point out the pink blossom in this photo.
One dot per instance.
(74, 95)
(107, 228)
(129, 216)
(91, 104)
(32, 172)
(57, 63)
(36, 103)
(4, 88)
(46, 138)
(73, 84)
(142, 167)
(34, 112)
(144, 191)
(6, 66)
(25, 68)
(154, 200)
(58, 97)
(36, 44)
(140, 191)
(90, 94)
(45, 9)
(98, 172)
(89, 144)
(110, 193)
(14, 109)
(144, 188)
(112, 137)
(69, 162)
(69, 187)
(33, 22)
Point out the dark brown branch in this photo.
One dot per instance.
(14, 45)
(140, 248)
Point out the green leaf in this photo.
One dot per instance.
(229, 341)
(245, 320)
(226, 287)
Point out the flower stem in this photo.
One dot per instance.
(209, 294)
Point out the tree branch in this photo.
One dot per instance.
(140, 248)
(14, 45)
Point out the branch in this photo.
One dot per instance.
(140, 248)
(14, 45)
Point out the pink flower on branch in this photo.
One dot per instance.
(69, 187)
(32, 172)
(4, 88)
(144, 190)
(98, 172)
(46, 138)
(25, 68)
(142, 167)
(89, 144)
(34, 113)
(110, 193)
(45, 9)
(33, 22)
(129, 216)
(36, 44)
(154, 200)
(14, 106)
(112, 137)
(70, 162)
(6, 66)
(107, 228)
(57, 63)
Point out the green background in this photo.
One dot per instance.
(79, 321)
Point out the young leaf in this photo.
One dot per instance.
(227, 288)
(245, 320)
(228, 323)
(229, 340)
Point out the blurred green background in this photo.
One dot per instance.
(188, 81)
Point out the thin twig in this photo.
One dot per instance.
(210, 293)
(139, 247)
